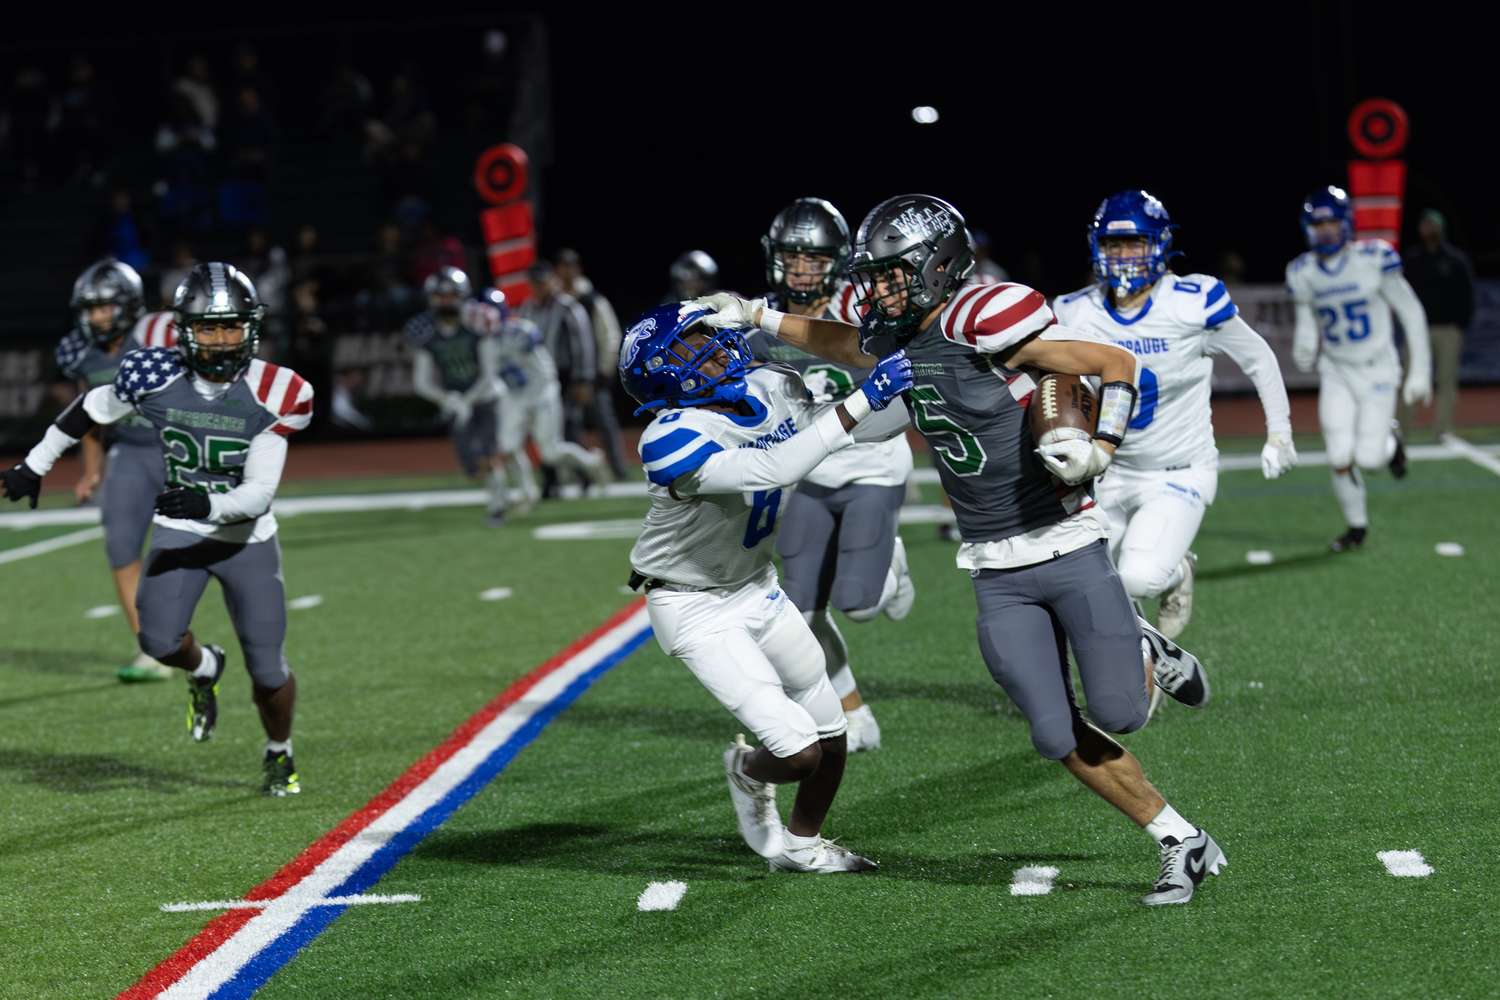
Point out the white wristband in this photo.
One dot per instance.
(44, 456)
(857, 405)
(770, 320)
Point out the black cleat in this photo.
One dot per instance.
(1398, 461)
(1177, 671)
(280, 775)
(1351, 539)
(203, 700)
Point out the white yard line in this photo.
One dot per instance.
(661, 896)
(1405, 864)
(1484, 458)
(51, 544)
(246, 904)
(1033, 880)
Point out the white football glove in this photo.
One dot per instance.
(1074, 461)
(1305, 359)
(1417, 389)
(729, 311)
(1278, 455)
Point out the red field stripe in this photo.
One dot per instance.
(221, 928)
(199, 947)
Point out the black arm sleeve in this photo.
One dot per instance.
(75, 421)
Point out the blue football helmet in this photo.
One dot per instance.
(1329, 203)
(1131, 213)
(496, 298)
(658, 368)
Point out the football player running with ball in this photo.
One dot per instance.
(838, 541)
(1345, 290)
(1166, 473)
(1033, 539)
(729, 440)
(222, 417)
(123, 464)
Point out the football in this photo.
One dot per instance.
(1062, 408)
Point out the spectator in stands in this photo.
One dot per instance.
(33, 115)
(85, 107)
(246, 72)
(249, 142)
(385, 301)
(1231, 269)
(197, 90)
(184, 143)
(404, 117)
(985, 269)
(434, 250)
(266, 267)
(180, 263)
(123, 233)
(569, 338)
(309, 349)
(599, 413)
(1440, 274)
(343, 103)
(492, 90)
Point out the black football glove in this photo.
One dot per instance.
(186, 504)
(22, 482)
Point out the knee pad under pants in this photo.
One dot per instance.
(1027, 619)
(760, 660)
(1355, 416)
(133, 477)
(177, 570)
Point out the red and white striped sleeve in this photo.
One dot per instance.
(156, 329)
(283, 393)
(991, 318)
(845, 307)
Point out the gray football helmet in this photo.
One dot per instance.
(806, 226)
(217, 294)
(108, 282)
(911, 253)
(693, 274)
(447, 281)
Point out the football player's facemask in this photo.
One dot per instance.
(1320, 210)
(219, 317)
(446, 289)
(1128, 265)
(911, 253)
(103, 285)
(672, 360)
(806, 250)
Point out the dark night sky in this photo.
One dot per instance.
(682, 128)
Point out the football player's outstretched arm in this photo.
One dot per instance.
(1396, 290)
(97, 406)
(1250, 351)
(824, 338)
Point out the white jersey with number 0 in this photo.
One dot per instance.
(1174, 334)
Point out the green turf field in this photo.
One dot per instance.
(1353, 712)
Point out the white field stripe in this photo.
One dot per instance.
(1033, 880)
(247, 904)
(1405, 864)
(661, 896)
(282, 912)
(1478, 456)
(917, 513)
(51, 544)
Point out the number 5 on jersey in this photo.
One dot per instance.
(184, 456)
(961, 451)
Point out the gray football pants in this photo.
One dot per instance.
(177, 570)
(835, 544)
(1027, 619)
(134, 474)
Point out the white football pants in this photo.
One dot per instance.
(1356, 403)
(1153, 518)
(537, 410)
(753, 651)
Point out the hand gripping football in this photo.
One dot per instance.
(1063, 408)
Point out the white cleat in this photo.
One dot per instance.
(754, 803)
(899, 606)
(1175, 609)
(824, 856)
(864, 731)
(1184, 864)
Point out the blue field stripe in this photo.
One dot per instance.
(270, 960)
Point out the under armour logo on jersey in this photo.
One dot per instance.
(924, 224)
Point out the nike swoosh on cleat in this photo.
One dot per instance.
(1196, 861)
